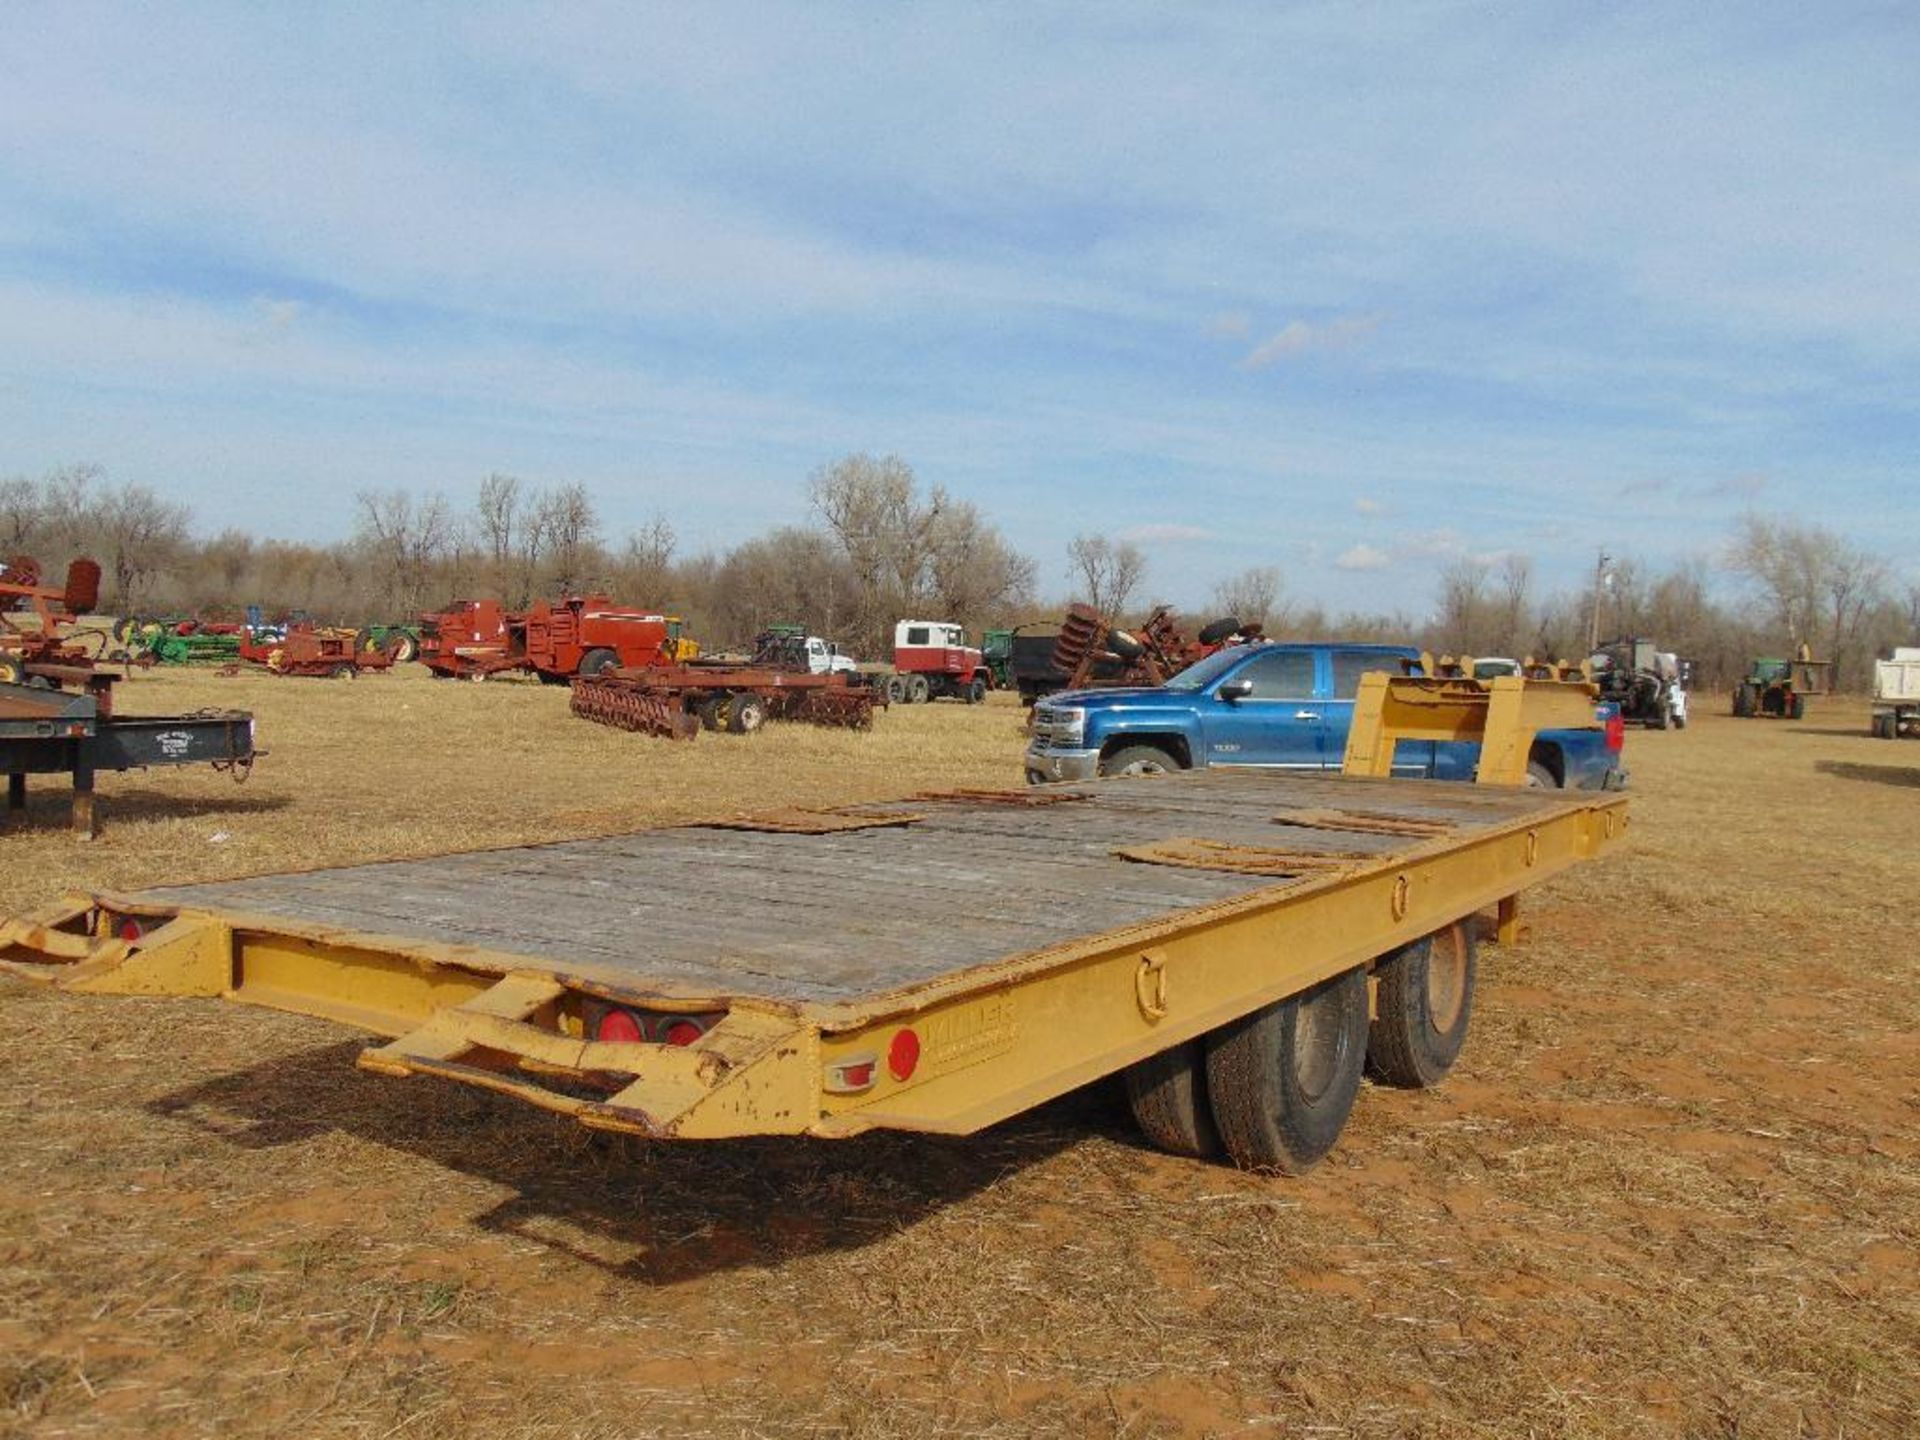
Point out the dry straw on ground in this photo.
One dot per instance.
(1672, 1190)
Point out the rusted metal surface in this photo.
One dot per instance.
(1195, 853)
(609, 700)
(677, 701)
(1090, 652)
(1364, 822)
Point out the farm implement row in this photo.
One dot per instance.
(678, 702)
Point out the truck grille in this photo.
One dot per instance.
(1059, 728)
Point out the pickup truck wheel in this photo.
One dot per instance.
(1139, 760)
(597, 660)
(746, 714)
(1423, 1001)
(1168, 1094)
(1539, 777)
(1281, 1081)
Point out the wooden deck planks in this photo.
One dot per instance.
(836, 916)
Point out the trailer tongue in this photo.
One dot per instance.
(936, 964)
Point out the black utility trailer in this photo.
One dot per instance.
(45, 731)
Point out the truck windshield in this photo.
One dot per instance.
(1204, 672)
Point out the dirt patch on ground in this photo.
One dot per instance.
(1673, 1188)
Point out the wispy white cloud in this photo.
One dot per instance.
(1362, 557)
(1299, 337)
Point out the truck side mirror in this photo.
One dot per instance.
(1235, 690)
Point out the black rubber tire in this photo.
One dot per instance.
(975, 692)
(1220, 629)
(1423, 1004)
(405, 647)
(1743, 701)
(1797, 708)
(1539, 777)
(1281, 1081)
(1139, 760)
(746, 714)
(597, 660)
(713, 712)
(1885, 726)
(12, 672)
(896, 689)
(918, 690)
(345, 672)
(1662, 717)
(1168, 1095)
(1124, 645)
(1680, 721)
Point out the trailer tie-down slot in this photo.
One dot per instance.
(1194, 854)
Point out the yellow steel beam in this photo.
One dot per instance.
(1503, 715)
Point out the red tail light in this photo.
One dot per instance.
(680, 1032)
(619, 1027)
(903, 1055)
(1616, 732)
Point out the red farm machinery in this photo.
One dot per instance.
(555, 640)
(679, 701)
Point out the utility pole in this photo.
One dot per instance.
(1599, 583)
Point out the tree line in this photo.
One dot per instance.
(881, 546)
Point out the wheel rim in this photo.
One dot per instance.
(1145, 767)
(1319, 1044)
(1446, 979)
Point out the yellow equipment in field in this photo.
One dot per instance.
(959, 956)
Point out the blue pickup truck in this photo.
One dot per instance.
(1281, 705)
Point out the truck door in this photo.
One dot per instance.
(1277, 724)
(1345, 667)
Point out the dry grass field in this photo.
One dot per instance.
(1673, 1189)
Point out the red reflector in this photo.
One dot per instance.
(130, 930)
(857, 1077)
(619, 1026)
(681, 1032)
(903, 1055)
(1616, 731)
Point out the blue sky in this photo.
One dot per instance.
(1351, 290)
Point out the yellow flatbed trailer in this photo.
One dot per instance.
(1236, 941)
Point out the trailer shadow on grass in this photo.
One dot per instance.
(1907, 775)
(656, 1212)
(50, 806)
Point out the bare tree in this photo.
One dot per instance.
(139, 534)
(499, 513)
(406, 539)
(1106, 571)
(1819, 587)
(1252, 596)
(646, 564)
(569, 527)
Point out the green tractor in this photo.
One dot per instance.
(1778, 689)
